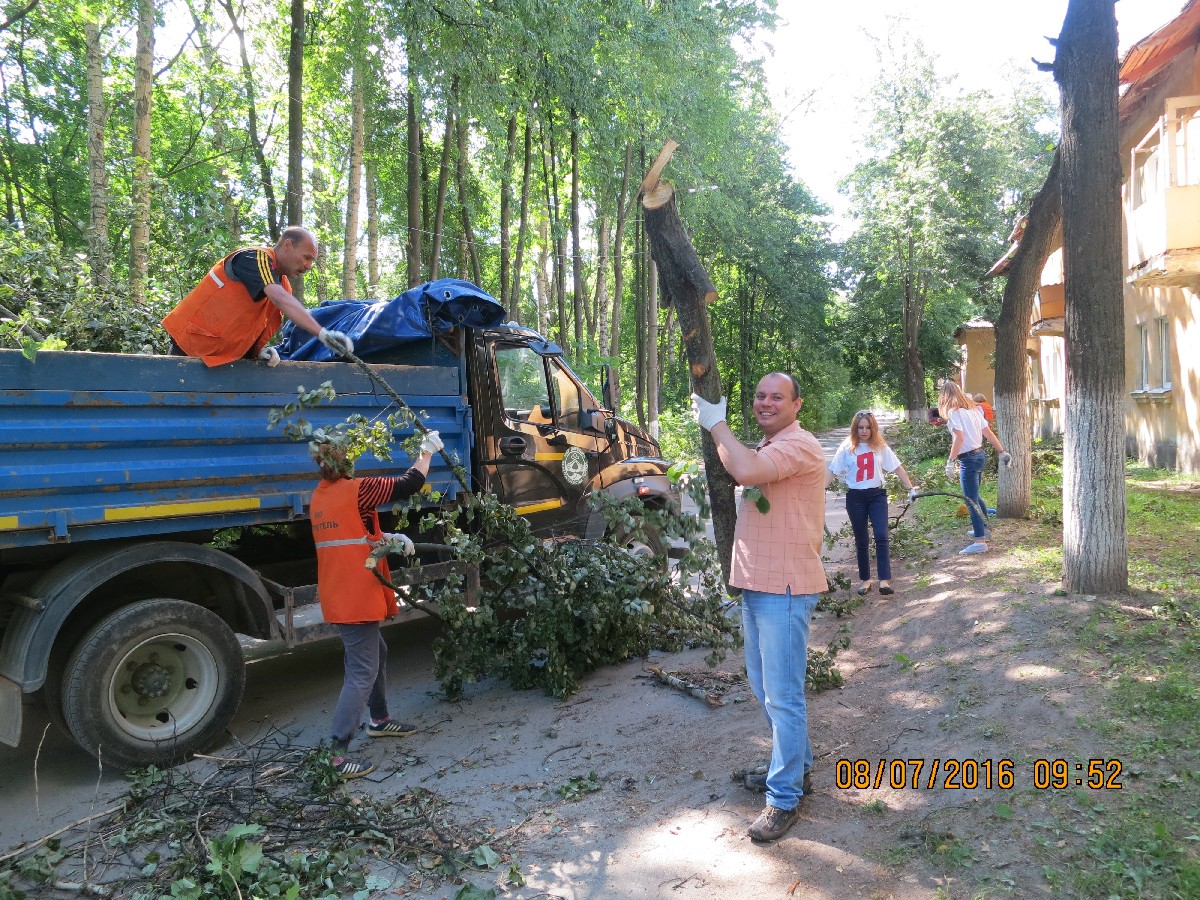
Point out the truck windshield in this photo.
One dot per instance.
(523, 388)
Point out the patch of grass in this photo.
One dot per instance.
(1136, 855)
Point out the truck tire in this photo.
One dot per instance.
(152, 683)
(649, 545)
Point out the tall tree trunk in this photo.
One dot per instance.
(99, 253)
(510, 154)
(13, 189)
(1095, 557)
(687, 287)
(601, 314)
(623, 200)
(577, 289)
(464, 201)
(652, 347)
(439, 213)
(373, 289)
(1036, 242)
(558, 276)
(354, 184)
(413, 246)
(642, 260)
(326, 224)
(257, 142)
(220, 141)
(139, 226)
(295, 66)
(522, 230)
(543, 298)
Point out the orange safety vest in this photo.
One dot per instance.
(219, 321)
(349, 592)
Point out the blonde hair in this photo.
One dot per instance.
(951, 397)
(979, 398)
(876, 441)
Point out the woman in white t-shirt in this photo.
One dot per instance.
(967, 457)
(860, 462)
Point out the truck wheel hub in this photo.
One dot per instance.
(151, 680)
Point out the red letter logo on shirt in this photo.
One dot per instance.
(866, 467)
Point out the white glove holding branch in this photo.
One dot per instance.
(1006, 459)
(431, 442)
(405, 542)
(708, 414)
(336, 341)
(271, 355)
(951, 468)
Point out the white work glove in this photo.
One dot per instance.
(405, 542)
(951, 469)
(1006, 459)
(336, 341)
(431, 442)
(912, 494)
(708, 414)
(271, 355)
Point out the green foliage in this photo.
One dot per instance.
(577, 786)
(919, 441)
(679, 434)
(552, 610)
(821, 673)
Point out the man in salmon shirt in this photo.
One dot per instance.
(777, 564)
(241, 302)
(345, 526)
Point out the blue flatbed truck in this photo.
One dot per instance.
(120, 602)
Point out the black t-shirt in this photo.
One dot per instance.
(254, 270)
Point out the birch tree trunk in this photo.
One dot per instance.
(510, 153)
(142, 181)
(295, 65)
(652, 347)
(353, 185)
(515, 291)
(439, 211)
(413, 245)
(601, 314)
(464, 202)
(578, 298)
(373, 289)
(623, 201)
(99, 253)
(1095, 557)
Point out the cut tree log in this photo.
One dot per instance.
(685, 285)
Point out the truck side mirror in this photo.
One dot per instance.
(608, 388)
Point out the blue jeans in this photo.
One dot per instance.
(863, 504)
(970, 474)
(365, 680)
(775, 629)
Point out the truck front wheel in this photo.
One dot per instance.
(153, 682)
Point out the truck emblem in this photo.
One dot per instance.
(574, 466)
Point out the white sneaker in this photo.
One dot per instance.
(977, 547)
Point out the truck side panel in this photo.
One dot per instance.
(106, 446)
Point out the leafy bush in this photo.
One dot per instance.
(919, 441)
(679, 434)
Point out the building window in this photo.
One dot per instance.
(1164, 353)
(1143, 383)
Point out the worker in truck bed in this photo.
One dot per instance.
(241, 302)
(345, 526)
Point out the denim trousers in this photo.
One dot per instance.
(970, 474)
(861, 505)
(775, 628)
(365, 680)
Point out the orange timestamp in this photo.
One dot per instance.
(971, 774)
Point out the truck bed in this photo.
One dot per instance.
(97, 446)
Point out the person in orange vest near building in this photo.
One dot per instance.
(241, 302)
(989, 415)
(345, 526)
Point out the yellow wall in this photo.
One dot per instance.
(976, 374)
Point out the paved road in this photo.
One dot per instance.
(49, 782)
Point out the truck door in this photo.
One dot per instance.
(546, 454)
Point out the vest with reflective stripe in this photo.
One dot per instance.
(349, 592)
(219, 321)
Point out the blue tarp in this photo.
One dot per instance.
(375, 325)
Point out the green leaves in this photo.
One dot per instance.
(755, 496)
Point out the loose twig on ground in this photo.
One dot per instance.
(710, 697)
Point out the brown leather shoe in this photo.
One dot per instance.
(757, 781)
(773, 823)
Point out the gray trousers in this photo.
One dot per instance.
(365, 680)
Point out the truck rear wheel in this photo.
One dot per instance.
(153, 682)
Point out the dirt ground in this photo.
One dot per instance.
(972, 659)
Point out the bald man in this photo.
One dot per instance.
(242, 300)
